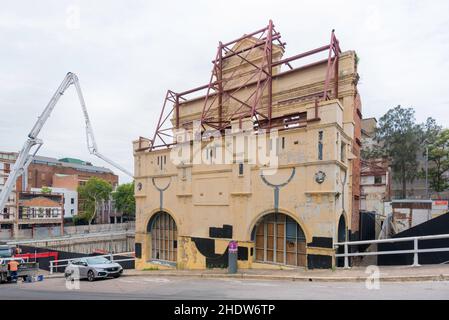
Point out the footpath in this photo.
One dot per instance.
(384, 273)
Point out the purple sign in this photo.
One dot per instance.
(233, 245)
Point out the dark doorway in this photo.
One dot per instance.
(341, 237)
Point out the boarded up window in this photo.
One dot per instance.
(279, 239)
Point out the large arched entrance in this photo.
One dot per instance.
(279, 239)
(164, 237)
(342, 229)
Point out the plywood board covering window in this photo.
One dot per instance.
(279, 239)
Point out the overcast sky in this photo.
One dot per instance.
(128, 53)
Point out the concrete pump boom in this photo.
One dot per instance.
(26, 156)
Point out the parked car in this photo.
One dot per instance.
(92, 268)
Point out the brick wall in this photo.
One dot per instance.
(356, 164)
(41, 175)
(69, 182)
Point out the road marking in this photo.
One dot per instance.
(246, 282)
(157, 280)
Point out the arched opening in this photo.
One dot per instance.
(164, 237)
(342, 229)
(341, 237)
(279, 239)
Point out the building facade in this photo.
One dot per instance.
(38, 210)
(289, 214)
(376, 178)
(70, 200)
(107, 212)
(8, 215)
(42, 170)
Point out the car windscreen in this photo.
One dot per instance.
(97, 260)
(5, 253)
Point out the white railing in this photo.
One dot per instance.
(415, 249)
(55, 264)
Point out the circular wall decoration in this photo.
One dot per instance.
(320, 176)
(139, 186)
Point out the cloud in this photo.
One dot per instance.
(128, 53)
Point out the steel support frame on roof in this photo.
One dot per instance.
(217, 94)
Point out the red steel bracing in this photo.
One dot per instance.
(212, 114)
(162, 134)
(258, 105)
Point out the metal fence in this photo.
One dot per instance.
(415, 251)
(56, 264)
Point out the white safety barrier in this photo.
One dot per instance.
(415, 249)
(55, 264)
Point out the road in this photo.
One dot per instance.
(153, 287)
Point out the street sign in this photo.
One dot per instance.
(233, 246)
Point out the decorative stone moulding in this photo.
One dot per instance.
(320, 176)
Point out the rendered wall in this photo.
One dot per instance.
(200, 197)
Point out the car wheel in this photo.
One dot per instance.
(90, 276)
(116, 275)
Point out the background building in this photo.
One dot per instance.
(107, 213)
(62, 177)
(417, 188)
(383, 210)
(375, 185)
(9, 214)
(42, 171)
(70, 200)
(39, 212)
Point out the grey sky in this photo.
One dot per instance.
(128, 53)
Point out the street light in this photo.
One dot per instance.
(427, 168)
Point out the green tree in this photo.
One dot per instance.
(92, 192)
(401, 139)
(439, 157)
(431, 130)
(124, 199)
